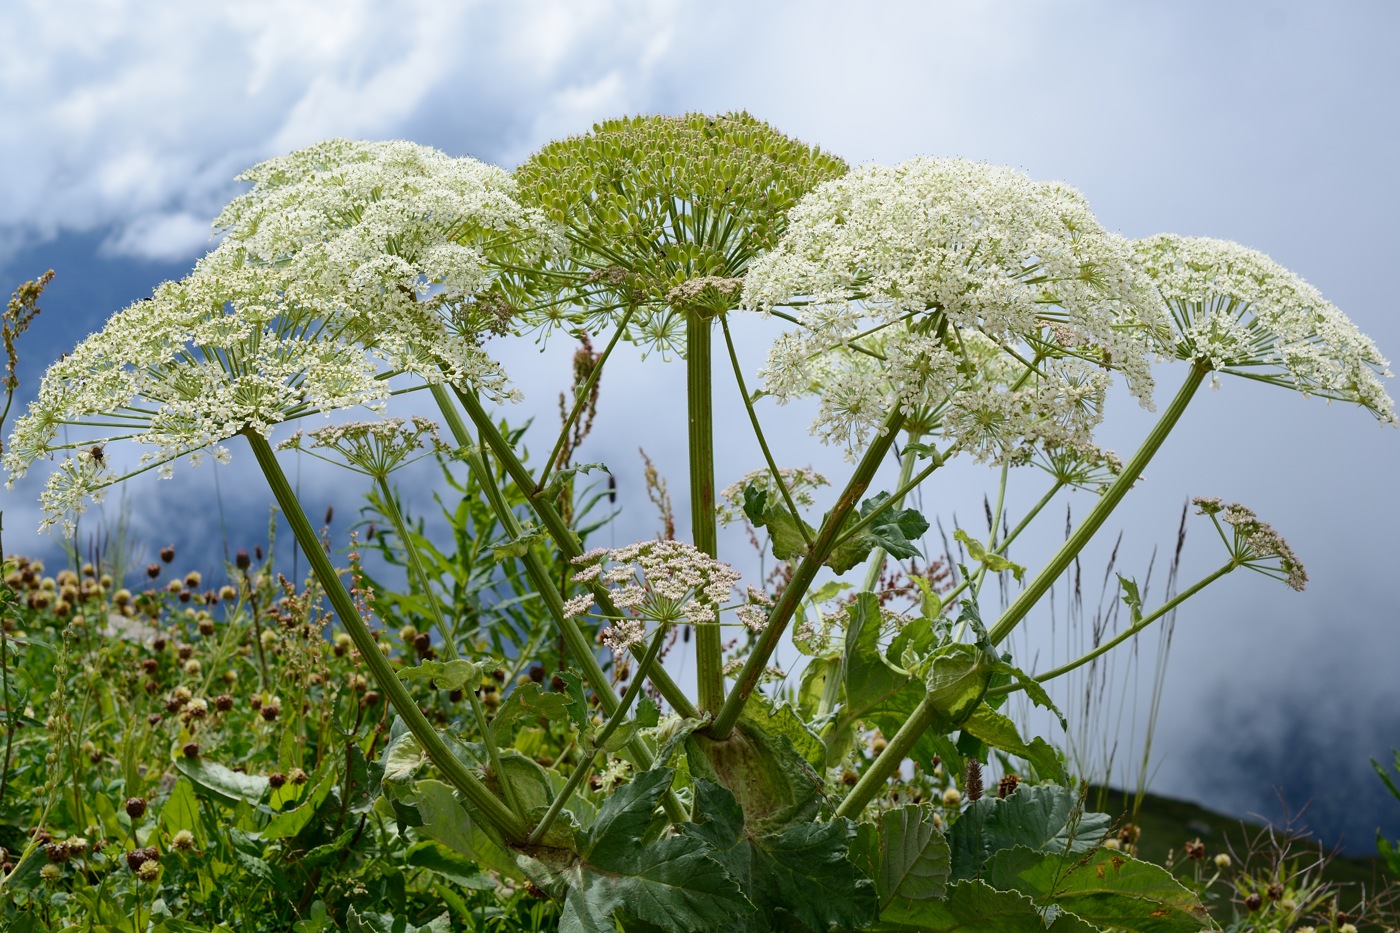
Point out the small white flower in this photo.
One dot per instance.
(896, 272)
(1237, 311)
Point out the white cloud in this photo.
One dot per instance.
(135, 118)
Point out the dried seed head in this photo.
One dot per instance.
(136, 807)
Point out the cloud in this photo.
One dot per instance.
(136, 118)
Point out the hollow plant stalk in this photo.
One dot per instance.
(709, 649)
(510, 824)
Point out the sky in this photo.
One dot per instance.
(1274, 125)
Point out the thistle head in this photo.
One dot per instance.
(653, 204)
(1235, 310)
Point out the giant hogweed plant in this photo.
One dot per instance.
(935, 309)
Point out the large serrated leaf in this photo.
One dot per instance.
(974, 907)
(1104, 887)
(1045, 817)
(673, 883)
(907, 856)
(781, 720)
(800, 877)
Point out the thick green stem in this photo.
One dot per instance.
(559, 530)
(472, 787)
(1132, 471)
(415, 564)
(803, 576)
(709, 647)
(1166, 607)
(618, 716)
(889, 760)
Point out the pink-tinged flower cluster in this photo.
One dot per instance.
(658, 581)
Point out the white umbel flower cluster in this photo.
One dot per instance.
(1237, 311)
(658, 581)
(1252, 542)
(311, 304)
(927, 253)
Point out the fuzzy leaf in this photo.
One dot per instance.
(800, 877)
(1045, 817)
(672, 883)
(907, 856)
(1105, 888)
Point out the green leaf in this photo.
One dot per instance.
(975, 907)
(957, 679)
(223, 784)
(648, 714)
(518, 546)
(1104, 887)
(908, 858)
(557, 480)
(387, 923)
(872, 682)
(181, 811)
(895, 530)
(993, 562)
(773, 783)
(991, 727)
(781, 720)
(456, 868)
(673, 883)
(402, 760)
(1045, 817)
(447, 821)
(526, 702)
(800, 876)
(446, 675)
(295, 820)
(1131, 597)
(785, 530)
